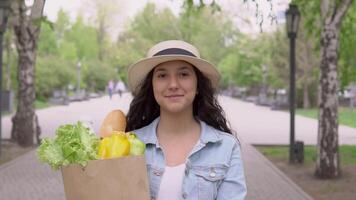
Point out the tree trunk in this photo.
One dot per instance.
(328, 162)
(328, 154)
(25, 127)
(25, 123)
(101, 37)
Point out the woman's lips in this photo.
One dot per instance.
(174, 97)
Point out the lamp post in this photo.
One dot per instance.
(79, 64)
(4, 10)
(293, 16)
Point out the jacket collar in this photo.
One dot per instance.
(208, 133)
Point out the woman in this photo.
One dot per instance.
(190, 151)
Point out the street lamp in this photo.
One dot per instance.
(79, 64)
(293, 17)
(4, 11)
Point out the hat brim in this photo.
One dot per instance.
(138, 71)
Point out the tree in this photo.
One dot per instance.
(242, 64)
(53, 73)
(277, 52)
(210, 31)
(328, 162)
(147, 28)
(105, 11)
(62, 24)
(25, 126)
(47, 42)
(87, 48)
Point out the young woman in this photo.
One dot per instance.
(190, 151)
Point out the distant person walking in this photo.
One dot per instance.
(120, 87)
(110, 88)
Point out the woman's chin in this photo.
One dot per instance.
(174, 109)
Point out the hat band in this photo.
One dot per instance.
(174, 51)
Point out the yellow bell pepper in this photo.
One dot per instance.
(104, 148)
(120, 146)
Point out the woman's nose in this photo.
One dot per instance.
(173, 82)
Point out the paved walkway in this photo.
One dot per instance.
(25, 178)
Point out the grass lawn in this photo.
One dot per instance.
(41, 104)
(347, 116)
(347, 153)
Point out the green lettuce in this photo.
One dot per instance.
(72, 144)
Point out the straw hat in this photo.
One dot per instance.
(168, 51)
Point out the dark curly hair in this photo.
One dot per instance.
(144, 108)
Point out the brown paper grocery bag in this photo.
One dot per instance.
(122, 178)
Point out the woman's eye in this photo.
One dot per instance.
(184, 74)
(161, 75)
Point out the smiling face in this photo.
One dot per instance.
(174, 86)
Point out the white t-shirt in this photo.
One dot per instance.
(171, 183)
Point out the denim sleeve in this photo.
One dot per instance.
(233, 186)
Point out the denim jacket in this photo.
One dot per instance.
(214, 168)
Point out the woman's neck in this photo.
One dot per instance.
(177, 123)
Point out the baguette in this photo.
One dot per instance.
(114, 121)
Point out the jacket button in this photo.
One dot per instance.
(157, 173)
(212, 174)
(185, 195)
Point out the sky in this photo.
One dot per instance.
(242, 14)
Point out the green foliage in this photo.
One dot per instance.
(227, 68)
(53, 73)
(84, 37)
(147, 28)
(347, 62)
(68, 50)
(210, 32)
(248, 57)
(96, 75)
(239, 69)
(62, 24)
(310, 13)
(278, 61)
(154, 25)
(47, 42)
(207, 30)
(61, 48)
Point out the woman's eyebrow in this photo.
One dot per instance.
(184, 67)
(160, 69)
